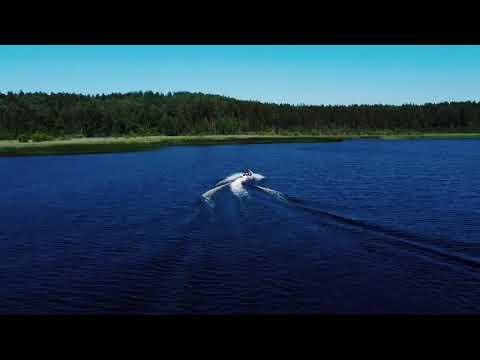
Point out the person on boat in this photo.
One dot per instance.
(248, 172)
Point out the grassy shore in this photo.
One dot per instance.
(432, 136)
(128, 144)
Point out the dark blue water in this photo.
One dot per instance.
(357, 227)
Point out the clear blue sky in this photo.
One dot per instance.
(288, 74)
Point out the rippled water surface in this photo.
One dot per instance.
(364, 226)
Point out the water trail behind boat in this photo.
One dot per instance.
(229, 178)
(235, 181)
(404, 237)
(207, 195)
(272, 192)
(237, 187)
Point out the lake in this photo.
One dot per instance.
(356, 227)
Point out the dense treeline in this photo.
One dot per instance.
(148, 113)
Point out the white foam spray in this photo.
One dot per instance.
(237, 187)
(272, 192)
(230, 178)
(235, 181)
(235, 176)
(207, 195)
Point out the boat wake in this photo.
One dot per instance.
(229, 178)
(237, 187)
(272, 192)
(207, 195)
(405, 238)
(235, 181)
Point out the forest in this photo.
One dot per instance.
(54, 115)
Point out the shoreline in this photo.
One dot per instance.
(146, 143)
